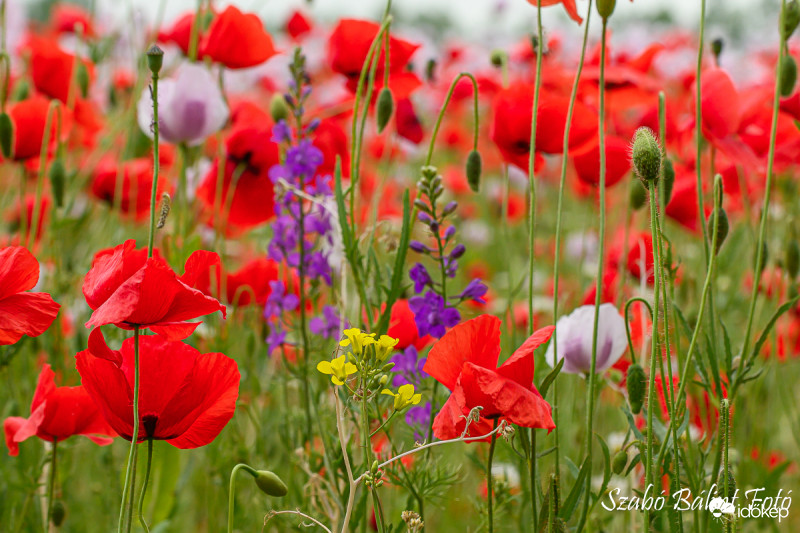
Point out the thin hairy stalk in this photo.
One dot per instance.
(489, 480)
(131, 466)
(142, 520)
(51, 485)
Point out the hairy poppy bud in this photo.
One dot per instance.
(82, 77)
(638, 195)
(788, 75)
(731, 485)
(271, 484)
(606, 7)
(716, 47)
(792, 258)
(619, 462)
(718, 218)
(385, 108)
(278, 109)
(646, 155)
(57, 177)
(497, 58)
(669, 181)
(637, 386)
(790, 19)
(166, 204)
(474, 167)
(6, 135)
(155, 59)
(58, 513)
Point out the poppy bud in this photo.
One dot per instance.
(716, 47)
(606, 7)
(731, 485)
(82, 77)
(719, 218)
(278, 109)
(790, 18)
(646, 155)
(166, 204)
(271, 484)
(620, 461)
(57, 177)
(57, 513)
(474, 165)
(21, 91)
(497, 58)
(6, 135)
(430, 70)
(385, 108)
(637, 386)
(155, 59)
(788, 75)
(792, 258)
(669, 181)
(638, 195)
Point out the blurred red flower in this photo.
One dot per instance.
(52, 68)
(569, 5)
(237, 40)
(132, 179)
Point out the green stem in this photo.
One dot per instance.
(384, 424)
(131, 467)
(154, 189)
(699, 131)
(194, 36)
(48, 123)
(232, 490)
(447, 98)
(489, 480)
(142, 521)
(51, 485)
(532, 176)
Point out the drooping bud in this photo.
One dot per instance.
(718, 220)
(646, 155)
(166, 204)
(155, 59)
(716, 47)
(58, 513)
(6, 135)
(606, 7)
(57, 177)
(792, 258)
(271, 484)
(788, 75)
(619, 462)
(278, 109)
(82, 77)
(384, 109)
(638, 195)
(474, 167)
(637, 387)
(790, 18)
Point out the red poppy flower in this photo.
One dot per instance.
(247, 286)
(14, 216)
(349, 44)
(180, 33)
(640, 258)
(569, 5)
(185, 397)
(465, 361)
(126, 288)
(57, 413)
(331, 139)
(403, 327)
(52, 68)
(22, 313)
(298, 25)
(237, 40)
(407, 122)
(29, 118)
(132, 178)
(70, 18)
(251, 150)
(618, 162)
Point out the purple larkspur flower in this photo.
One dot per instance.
(328, 324)
(408, 367)
(432, 315)
(278, 302)
(419, 275)
(419, 419)
(281, 132)
(475, 290)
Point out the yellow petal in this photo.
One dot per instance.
(350, 368)
(387, 391)
(416, 399)
(336, 381)
(325, 367)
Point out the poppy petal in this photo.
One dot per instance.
(27, 313)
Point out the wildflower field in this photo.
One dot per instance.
(347, 275)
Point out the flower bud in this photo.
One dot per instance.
(449, 208)
(384, 380)
(474, 165)
(606, 7)
(721, 485)
(790, 18)
(638, 195)
(6, 135)
(278, 109)
(155, 59)
(57, 177)
(271, 484)
(716, 47)
(788, 75)
(718, 218)
(669, 181)
(384, 109)
(497, 58)
(458, 251)
(619, 462)
(387, 367)
(646, 155)
(58, 512)
(82, 77)
(420, 204)
(637, 387)
(792, 258)
(21, 91)
(428, 173)
(374, 467)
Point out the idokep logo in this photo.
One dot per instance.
(756, 505)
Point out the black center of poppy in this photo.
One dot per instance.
(149, 422)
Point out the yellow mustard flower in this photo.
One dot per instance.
(404, 397)
(385, 346)
(357, 339)
(338, 369)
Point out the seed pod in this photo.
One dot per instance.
(619, 462)
(669, 180)
(790, 19)
(271, 484)
(638, 195)
(278, 109)
(719, 218)
(497, 58)
(721, 485)
(646, 155)
(788, 75)
(385, 108)
(606, 7)
(474, 167)
(6, 135)
(716, 47)
(637, 387)
(155, 59)
(58, 513)
(57, 177)
(82, 77)
(792, 258)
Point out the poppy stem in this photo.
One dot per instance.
(37, 204)
(489, 475)
(130, 470)
(232, 490)
(23, 207)
(699, 131)
(142, 521)
(154, 189)
(51, 485)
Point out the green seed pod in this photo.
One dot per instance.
(385, 108)
(606, 7)
(430, 70)
(155, 59)
(497, 58)
(669, 180)
(278, 109)
(619, 462)
(716, 47)
(57, 177)
(82, 77)
(720, 218)
(721, 485)
(788, 75)
(637, 387)
(271, 484)
(638, 195)
(58, 513)
(790, 19)
(6, 135)
(474, 167)
(792, 258)
(646, 156)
